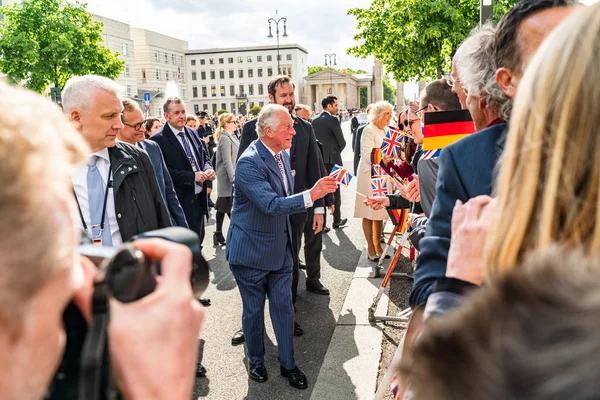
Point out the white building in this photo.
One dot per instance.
(236, 79)
(117, 37)
(160, 68)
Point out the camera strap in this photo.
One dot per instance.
(95, 379)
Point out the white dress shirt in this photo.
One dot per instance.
(80, 185)
(197, 186)
(308, 203)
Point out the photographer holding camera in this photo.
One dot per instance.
(41, 272)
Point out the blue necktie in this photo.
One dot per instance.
(96, 192)
(188, 150)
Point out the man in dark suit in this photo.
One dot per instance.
(187, 162)
(133, 133)
(260, 249)
(329, 132)
(354, 124)
(467, 166)
(305, 161)
(206, 132)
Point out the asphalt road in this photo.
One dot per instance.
(227, 377)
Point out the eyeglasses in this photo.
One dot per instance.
(419, 113)
(135, 126)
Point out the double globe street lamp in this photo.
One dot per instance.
(276, 21)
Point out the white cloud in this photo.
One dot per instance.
(317, 26)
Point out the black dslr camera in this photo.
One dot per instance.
(126, 275)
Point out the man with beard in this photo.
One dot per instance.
(305, 160)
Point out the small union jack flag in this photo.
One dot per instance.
(391, 143)
(379, 187)
(341, 175)
(378, 170)
(429, 154)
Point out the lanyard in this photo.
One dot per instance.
(108, 185)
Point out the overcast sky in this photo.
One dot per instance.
(319, 26)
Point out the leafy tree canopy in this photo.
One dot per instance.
(319, 68)
(416, 39)
(255, 110)
(46, 42)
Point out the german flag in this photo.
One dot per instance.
(399, 218)
(376, 156)
(442, 128)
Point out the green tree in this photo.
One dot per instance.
(46, 42)
(389, 91)
(416, 39)
(222, 111)
(364, 101)
(255, 110)
(319, 68)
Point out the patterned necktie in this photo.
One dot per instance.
(281, 169)
(188, 150)
(96, 192)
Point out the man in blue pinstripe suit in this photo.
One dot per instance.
(259, 242)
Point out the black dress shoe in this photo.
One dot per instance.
(258, 372)
(238, 338)
(342, 222)
(317, 287)
(204, 301)
(297, 330)
(296, 378)
(302, 266)
(200, 370)
(326, 229)
(218, 239)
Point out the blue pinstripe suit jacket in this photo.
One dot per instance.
(260, 227)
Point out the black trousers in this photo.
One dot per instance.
(313, 244)
(337, 215)
(199, 218)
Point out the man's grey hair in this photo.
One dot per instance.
(269, 116)
(477, 71)
(79, 91)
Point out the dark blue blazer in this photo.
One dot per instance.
(260, 230)
(165, 183)
(466, 170)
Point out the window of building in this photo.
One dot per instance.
(202, 61)
(222, 74)
(166, 58)
(194, 76)
(211, 61)
(214, 108)
(158, 74)
(279, 57)
(193, 62)
(182, 77)
(203, 75)
(213, 91)
(269, 58)
(181, 61)
(126, 72)
(166, 75)
(250, 73)
(240, 73)
(259, 58)
(289, 72)
(128, 90)
(231, 74)
(232, 90)
(123, 49)
(223, 106)
(288, 57)
(156, 56)
(261, 89)
(173, 58)
(205, 107)
(182, 94)
(221, 60)
(144, 74)
(269, 71)
(261, 103)
(204, 92)
(249, 59)
(251, 89)
(259, 72)
(230, 60)
(232, 105)
(196, 108)
(251, 104)
(194, 91)
(222, 91)
(240, 60)
(212, 74)
(241, 89)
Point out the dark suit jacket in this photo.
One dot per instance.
(356, 142)
(466, 170)
(304, 154)
(204, 131)
(165, 183)
(181, 170)
(329, 132)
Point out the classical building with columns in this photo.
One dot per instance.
(345, 87)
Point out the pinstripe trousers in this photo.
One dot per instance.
(254, 286)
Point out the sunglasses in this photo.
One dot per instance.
(406, 123)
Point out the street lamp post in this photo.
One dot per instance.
(328, 62)
(277, 20)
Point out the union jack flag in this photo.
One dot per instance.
(379, 187)
(341, 175)
(429, 154)
(378, 170)
(392, 143)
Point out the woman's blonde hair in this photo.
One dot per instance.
(224, 119)
(378, 110)
(549, 177)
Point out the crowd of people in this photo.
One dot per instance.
(505, 219)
